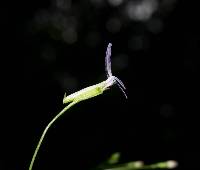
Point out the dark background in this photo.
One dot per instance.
(58, 46)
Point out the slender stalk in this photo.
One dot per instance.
(45, 131)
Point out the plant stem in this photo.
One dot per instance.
(45, 131)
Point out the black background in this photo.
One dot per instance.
(158, 122)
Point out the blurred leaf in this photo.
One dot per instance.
(114, 158)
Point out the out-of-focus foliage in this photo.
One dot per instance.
(113, 164)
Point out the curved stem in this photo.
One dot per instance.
(45, 131)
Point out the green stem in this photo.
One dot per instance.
(45, 131)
